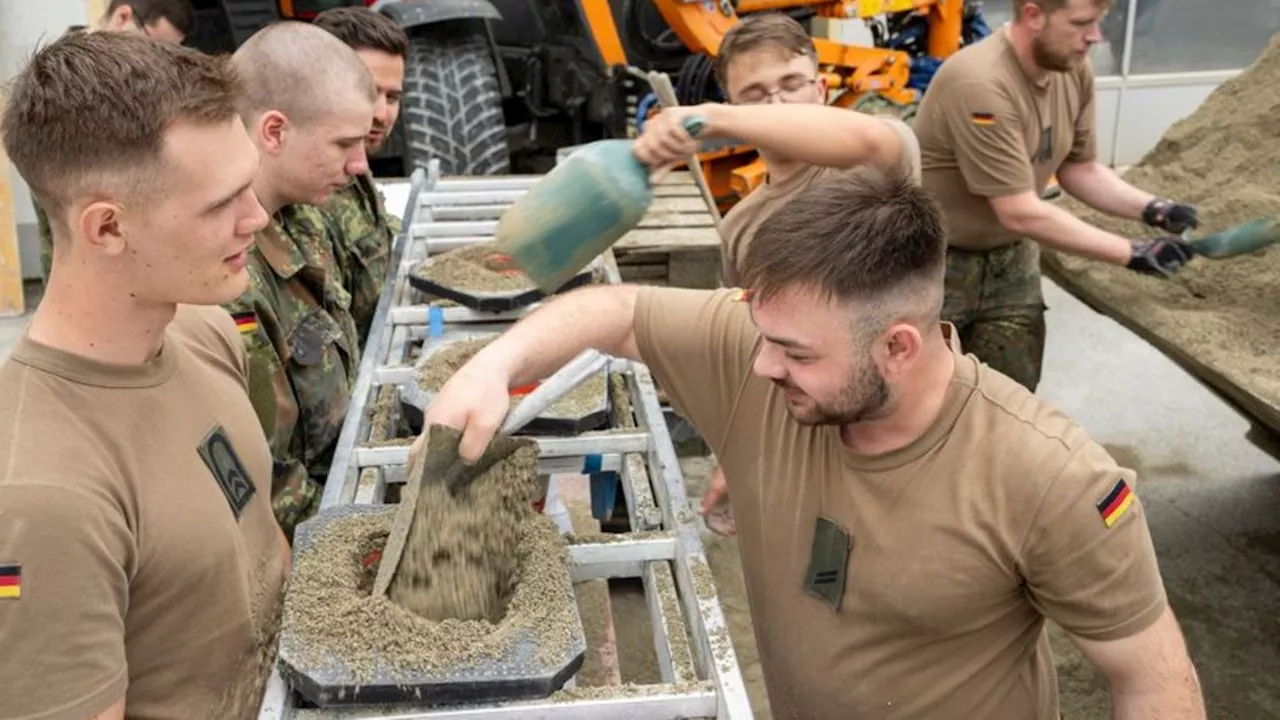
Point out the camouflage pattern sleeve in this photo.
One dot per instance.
(46, 239)
(271, 392)
(362, 243)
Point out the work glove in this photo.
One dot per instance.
(1168, 215)
(1162, 256)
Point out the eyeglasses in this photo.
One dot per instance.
(788, 89)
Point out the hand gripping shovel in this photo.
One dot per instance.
(439, 460)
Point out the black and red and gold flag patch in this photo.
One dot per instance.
(1116, 503)
(246, 322)
(10, 580)
(983, 118)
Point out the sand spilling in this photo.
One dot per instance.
(583, 400)
(459, 558)
(1224, 158)
(471, 269)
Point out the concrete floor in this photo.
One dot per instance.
(1212, 493)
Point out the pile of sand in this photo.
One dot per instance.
(479, 571)
(1225, 159)
(471, 270)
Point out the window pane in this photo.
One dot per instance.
(1104, 56)
(1194, 35)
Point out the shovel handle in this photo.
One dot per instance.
(576, 372)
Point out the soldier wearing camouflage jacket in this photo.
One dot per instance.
(363, 235)
(46, 240)
(303, 353)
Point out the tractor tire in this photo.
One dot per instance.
(452, 107)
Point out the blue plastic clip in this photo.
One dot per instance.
(435, 322)
(604, 494)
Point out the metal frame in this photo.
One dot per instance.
(701, 677)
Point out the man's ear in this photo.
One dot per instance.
(902, 344)
(101, 225)
(271, 130)
(120, 18)
(1035, 16)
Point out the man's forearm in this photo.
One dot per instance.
(1102, 189)
(1175, 704)
(597, 317)
(812, 134)
(1056, 228)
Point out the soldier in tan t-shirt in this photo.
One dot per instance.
(801, 139)
(908, 519)
(141, 568)
(1001, 117)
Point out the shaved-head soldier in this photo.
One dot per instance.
(364, 230)
(308, 106)
(140, 564)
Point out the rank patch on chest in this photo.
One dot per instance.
(1116, 503)
(10, 581)
(983, 118)
(228, 471)
(246, 322)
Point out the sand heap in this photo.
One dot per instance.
(1225, 159)
(470, 269)
(480, 570)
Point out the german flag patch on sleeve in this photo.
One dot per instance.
(983, 118)
(1116, 503)
(246, 322)
(10, 580)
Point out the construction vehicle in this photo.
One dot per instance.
(498, 86)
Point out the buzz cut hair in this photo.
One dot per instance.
(869, 237)
(299, 70)
(89, 112)
(771, 30)
(364, 29)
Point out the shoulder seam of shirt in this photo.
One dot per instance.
(1058, 438)
(1044, 495)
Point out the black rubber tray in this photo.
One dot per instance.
(494, 301)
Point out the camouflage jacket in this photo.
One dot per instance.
(364, 233)
(303, 354)
(46, 240)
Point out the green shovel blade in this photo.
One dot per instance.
(1238, 240)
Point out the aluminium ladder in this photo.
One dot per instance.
(446, 213)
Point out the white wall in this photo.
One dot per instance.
(24, 24)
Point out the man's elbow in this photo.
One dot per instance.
(1018, 214)
(1072, 176)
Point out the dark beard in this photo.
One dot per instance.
(1047, 60)
(862, 398)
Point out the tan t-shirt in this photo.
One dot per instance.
(961, 543)
(986, 130)
(143, 570)
(739, 225)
